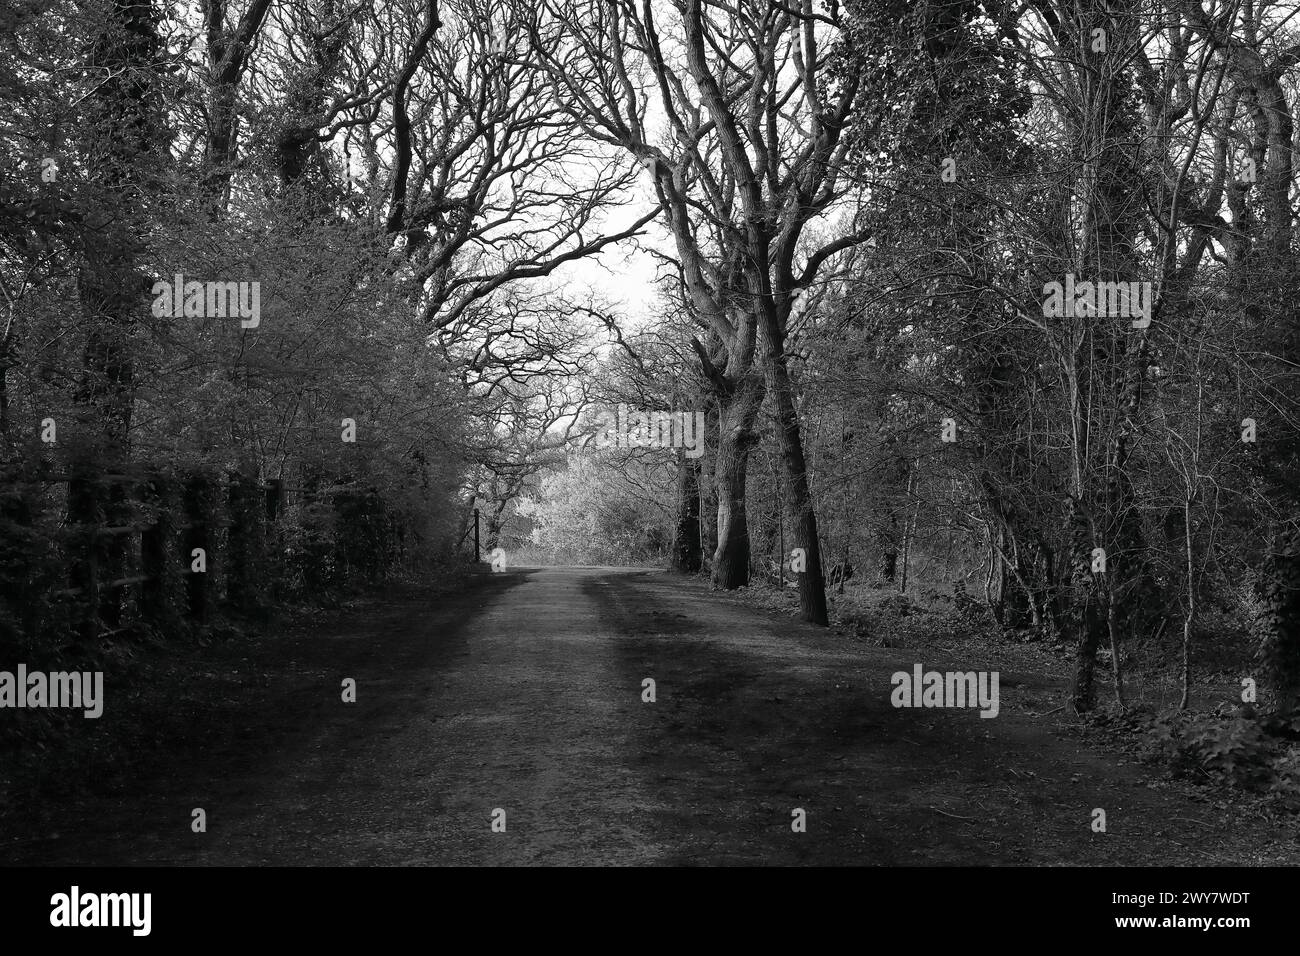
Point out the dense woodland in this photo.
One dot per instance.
(855, 211)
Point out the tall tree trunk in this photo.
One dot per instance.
(798, 491)
(121, 137)
(708, 489)
(686, 555)
(228, 52)
(737, 412)
(1111, 356)
(1280, 622)
(1084, 691)
(1083, 609)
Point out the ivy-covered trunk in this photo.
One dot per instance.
(1279, 624)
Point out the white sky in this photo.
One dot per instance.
(623, 275)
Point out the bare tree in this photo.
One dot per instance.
(729, 107)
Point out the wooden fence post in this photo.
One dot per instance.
(84, 518)
(16, 540)
(198, 515)
(111, 548)
(317, 574)
(158, 561)
(274, 499)
(247, 542)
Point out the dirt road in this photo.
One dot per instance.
(524, 694)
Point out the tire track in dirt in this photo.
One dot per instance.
(524, 693)
(758, 715)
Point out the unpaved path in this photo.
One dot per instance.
(525, 694)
